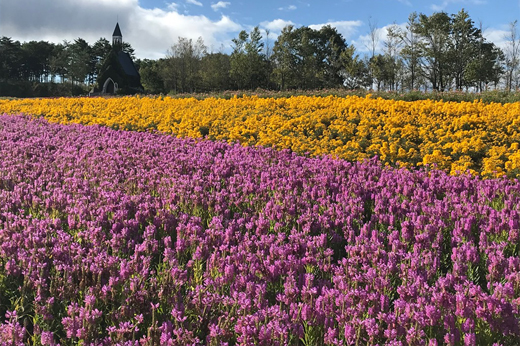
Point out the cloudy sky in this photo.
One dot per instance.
(152, 26)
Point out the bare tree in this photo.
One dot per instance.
(512, 52)
(183, 64)
(410, 50)
(393, 45)
(373, 33)
(267, 44)
(374, 36)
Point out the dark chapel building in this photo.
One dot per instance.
(118, 74)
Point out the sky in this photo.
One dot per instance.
(153, 26)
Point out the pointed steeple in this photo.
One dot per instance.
(117, 37)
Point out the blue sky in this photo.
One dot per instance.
(152, 26)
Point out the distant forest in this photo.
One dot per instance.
(440, 52)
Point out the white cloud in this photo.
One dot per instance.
(364, 43)
(346, 27)
(445, 3)
(173, 6)
(194, 2)
(150, 31)
(220, 4)
(497, 36)
(439, 7)
(276, 26)
(288, 8)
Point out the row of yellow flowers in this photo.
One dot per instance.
(457, 137)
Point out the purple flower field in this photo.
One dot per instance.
(121, 238)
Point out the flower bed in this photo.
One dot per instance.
(114, 237)
(482, 138)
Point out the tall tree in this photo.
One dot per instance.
(248, 60)
(331, 44)
(466, 41)
(309, 61)
(151, 76)
(374, 36)
(10, 59)
(36, 57)
(183, 63)
(127, 48)
(410, 52)
(512, 54)
(99, 52)
(215, 72)
(435, 45)
(79, 58)
(284, 58)
(487, 67)
(383, 70)
(307, 58)
(58, 62)
(354, 71)
(392, 49)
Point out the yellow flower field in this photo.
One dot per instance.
(475, 136)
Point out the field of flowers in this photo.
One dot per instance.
(480, 137)
(118, 237)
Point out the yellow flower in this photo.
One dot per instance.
(457, 137)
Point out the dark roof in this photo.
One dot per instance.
(117, 31)
(128, 65)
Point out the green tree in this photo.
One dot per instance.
(248, 63)
(284, 59)
(127, 48)
(79, 58)
(58, 62)
(215, 71)
(383, 70)
(409, 52)
(392, 50)
(151, 76)
(182, 67)
(100, 50)
(10, 59)
(435, 46)
(487, 67)
(331, 45)
(466, 41)
(36, 56)
(307, 58)
(354, 70)
(453, 53)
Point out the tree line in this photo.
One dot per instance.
(40, 68)
(438, 52)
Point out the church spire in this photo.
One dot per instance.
(117, 37)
